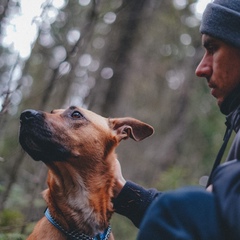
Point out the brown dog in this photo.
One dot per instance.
(78, 147)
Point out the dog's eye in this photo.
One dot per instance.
(76, 115)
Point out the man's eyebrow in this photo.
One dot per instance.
(209, 41)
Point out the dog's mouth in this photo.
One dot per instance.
(37, 140)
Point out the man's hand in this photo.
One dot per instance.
(119, 179)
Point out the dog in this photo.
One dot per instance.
(78, 147)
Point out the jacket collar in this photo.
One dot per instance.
(231, 102)
(233, 119)
(231, 108)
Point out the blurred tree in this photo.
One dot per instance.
(116, 61)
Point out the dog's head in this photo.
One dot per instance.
(75, 133)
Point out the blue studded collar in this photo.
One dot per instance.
(76, 235)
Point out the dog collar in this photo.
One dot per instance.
(76, 235)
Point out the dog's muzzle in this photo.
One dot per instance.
(37, 139)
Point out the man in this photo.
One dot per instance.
(194, 213)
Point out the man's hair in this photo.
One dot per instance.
(221, 19)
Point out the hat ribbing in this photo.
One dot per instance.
(221, 19)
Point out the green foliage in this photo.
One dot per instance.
(16, 199)
(123, 228)
(12, 236)
(11, 220)
(175, 177)
(2, 188)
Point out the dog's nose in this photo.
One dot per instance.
(28, 115)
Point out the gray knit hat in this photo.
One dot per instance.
(221, 19)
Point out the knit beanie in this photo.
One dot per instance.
(221, 19)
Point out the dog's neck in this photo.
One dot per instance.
(88, 199)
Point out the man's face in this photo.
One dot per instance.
(220, 65)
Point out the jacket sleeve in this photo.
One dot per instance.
(226, 186)
(133, 201)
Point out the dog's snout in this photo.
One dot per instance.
(28, 115)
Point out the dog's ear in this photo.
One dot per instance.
(131, 127)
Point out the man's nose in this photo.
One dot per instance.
(204, 68)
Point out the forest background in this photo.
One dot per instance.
(118, 58)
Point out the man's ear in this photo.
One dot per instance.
(131, 127)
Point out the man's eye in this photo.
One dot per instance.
(76, 115)
(211, 49)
